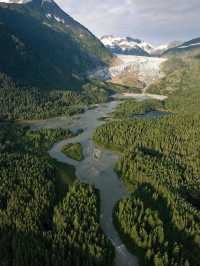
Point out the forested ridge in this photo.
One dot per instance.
(28, 103)
(160, 221)
(43, 219)
(47, 51)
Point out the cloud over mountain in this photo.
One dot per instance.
(155, 20)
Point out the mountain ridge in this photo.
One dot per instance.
(134, 46)
(186, 48)
(41, 45)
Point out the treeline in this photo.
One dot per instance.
(160, 167)
(38, 224)
(130, 108)
(32, 103)
(27, 103)
(44, 138)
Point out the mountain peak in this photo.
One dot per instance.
(134, 46)
(25, 1)
(43, 46)
(127, 45)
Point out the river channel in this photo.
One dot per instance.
(96, 169)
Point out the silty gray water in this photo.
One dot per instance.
(96, 168)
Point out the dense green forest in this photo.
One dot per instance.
(130, 108)
(43, 220)
(32, 103)
(160, 166)
(25, 103)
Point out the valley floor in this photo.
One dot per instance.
(145, 195)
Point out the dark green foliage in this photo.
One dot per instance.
(46, 137)
(96, 91)
(30, 103)
(160, 165)
(129, 108)
(40, 51)
(24, 103)
(81, 228)
(150, 221)
(41, 222)
(27, 191)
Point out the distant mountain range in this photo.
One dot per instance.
(41, 45)
(191, 47)
(131, 46)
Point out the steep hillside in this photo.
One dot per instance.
(181, 76)
(190, 48)
(41, 45)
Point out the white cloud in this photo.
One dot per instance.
(154, 20)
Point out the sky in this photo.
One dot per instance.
(155, 21)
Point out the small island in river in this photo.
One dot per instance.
(74, 151)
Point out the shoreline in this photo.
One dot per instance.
(148, 95)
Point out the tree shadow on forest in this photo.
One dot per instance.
(192, 196)
(146, 192)
(31, 249)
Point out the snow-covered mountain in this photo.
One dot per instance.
(127, 45)
(131, 46)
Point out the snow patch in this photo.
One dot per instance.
(189, 45)
(60, 20)
(51, 16)
(15, 1)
